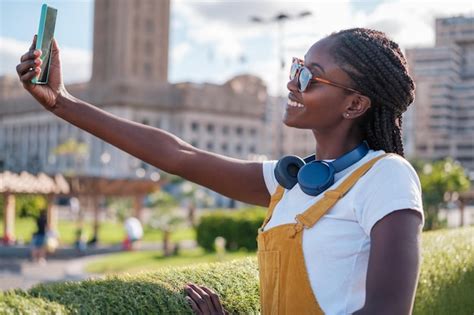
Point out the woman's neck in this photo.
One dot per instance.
(334, 145)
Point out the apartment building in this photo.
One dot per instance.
(442, 118)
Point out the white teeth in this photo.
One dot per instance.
(294, 104)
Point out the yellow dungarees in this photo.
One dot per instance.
(284, 282)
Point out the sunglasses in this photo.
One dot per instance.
(305, 77)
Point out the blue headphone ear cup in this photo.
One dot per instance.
(315, 177)
(286, 170)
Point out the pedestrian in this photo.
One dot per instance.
(343, 226)
(38, 241)
(134, 233)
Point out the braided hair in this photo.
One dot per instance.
(379, 71)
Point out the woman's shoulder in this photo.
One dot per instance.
(392, 163)
(392, 170)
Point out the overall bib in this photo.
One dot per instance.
(284, 283)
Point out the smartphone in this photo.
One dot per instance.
(44, 41)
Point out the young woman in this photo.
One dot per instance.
(345, 242)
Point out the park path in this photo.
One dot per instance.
(21, 273)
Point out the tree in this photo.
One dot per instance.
(441, 182)
(75, 149)
(165, 216)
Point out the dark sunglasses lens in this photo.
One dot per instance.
(293, 70)
(305, 78)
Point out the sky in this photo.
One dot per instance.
(214, 40)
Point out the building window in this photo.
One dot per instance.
(225, 130)
(253, 132)
(422, 147)
(149, 26)
(148, 48)
(210, 128)
(252, 149)
(210, 145)
(224, 147)
(238, 130)
(238, 148)
(465, 147)
(147, 69)
(194, 143)
(441, 147)
(194, 126)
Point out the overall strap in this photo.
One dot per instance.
(316, 211)
(273, 202)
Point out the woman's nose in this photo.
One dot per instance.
(292, 85)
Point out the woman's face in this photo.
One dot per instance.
(323, 105)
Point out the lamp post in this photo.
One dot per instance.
(280, 20)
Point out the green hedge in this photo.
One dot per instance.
(445, 287)
(238, 227)
(446, 284)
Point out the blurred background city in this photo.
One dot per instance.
(214, 74)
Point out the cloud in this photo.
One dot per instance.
(226, 25)
(179, 52)
(76, 63)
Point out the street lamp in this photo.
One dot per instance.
(279, 19)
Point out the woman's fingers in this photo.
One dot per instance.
(215, 299)
(29, 63)
(193, 305)
(201, 298)
(26, 78)
(27, 66)
(204, 295)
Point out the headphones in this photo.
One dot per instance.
(314, 176)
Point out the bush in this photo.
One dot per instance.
(20, 303)
(159, 292)
(239, 228)
(446, 284)
(445, 287)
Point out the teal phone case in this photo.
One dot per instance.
(44, 40)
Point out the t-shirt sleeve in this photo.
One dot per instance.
(390, 185)
(269, 176)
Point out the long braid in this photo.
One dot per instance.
(379, 70)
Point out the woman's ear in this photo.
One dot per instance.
(357, 107)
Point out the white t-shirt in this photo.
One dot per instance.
(336, 249)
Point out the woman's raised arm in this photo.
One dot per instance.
(237, 179)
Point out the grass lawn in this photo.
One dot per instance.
(109, 232)
(131, 262)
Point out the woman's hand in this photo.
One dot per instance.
(29, 67)
(203, 300)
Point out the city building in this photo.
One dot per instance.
(441, 122)
(130, 79)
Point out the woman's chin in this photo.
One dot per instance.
(290, 122)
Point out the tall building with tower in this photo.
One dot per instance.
(130, 79)
(131, 40)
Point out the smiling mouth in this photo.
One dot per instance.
(294, 104)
